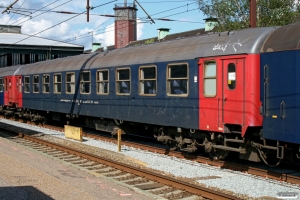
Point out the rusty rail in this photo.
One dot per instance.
(223, 164)
(198, 190)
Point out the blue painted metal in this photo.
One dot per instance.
(282, 90)
(160, 109)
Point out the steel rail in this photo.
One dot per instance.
(198, 190)
(219, 163)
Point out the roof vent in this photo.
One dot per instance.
(10, 29)
(162, 33)
(96, 46)
(210, 23)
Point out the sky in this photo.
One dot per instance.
(74, 28)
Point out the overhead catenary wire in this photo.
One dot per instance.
(14, 14)
(88, 34)
(161, 19)
(34, 12)
(54, 25)
(47, 11)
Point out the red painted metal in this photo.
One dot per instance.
(233, 100)
(240, 106)
(13, 91)
(125, 32)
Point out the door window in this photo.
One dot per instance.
(231, 78)
(210, 79)
(19, 84)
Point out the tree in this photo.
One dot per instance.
(234, 14)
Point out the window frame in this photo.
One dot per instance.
(33, 83)
(103, 81)
(27, 84)
(168, 82)
(43, 83)
(81, 81)
(210, 77)
(54, 83)
(1, 85)
(70, 82)
(117, 80)
(141, 80)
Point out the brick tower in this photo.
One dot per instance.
(125, 24)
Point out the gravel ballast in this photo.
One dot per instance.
(241, 184)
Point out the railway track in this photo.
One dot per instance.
(144, 179)
(201, 159)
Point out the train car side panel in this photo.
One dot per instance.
(280, 92)
(229, 93)
(13, 91)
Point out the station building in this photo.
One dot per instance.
(17, 48)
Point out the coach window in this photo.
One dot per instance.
(1, 84)
(177, 79)
(70, 83)
(147, 81)
(85, 82)
(123, 81)
(46, 83)
(231, 81)
(57, 83)
(102, 82)
(210, 79)
(36, 84)
(26, 84)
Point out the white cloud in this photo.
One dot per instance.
(77, 27)
(139, 28)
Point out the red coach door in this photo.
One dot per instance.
(233, 91)
(7, 90)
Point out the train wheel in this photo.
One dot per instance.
(218, 154)
(172, 146)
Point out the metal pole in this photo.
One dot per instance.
(252, 13)
(119, 139)
(87, 10)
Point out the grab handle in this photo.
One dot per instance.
(281, 109)
(265, 90)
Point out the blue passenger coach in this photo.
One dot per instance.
(280, 85)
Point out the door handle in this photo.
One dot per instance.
(225, 99)
(281, 109)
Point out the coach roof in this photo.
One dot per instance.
(284, 38)
(246, 41)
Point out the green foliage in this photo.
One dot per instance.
(149, 41)
(234, 14)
